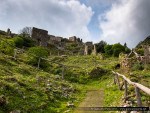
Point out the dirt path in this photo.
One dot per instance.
(94, 98)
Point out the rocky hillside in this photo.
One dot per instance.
(144, 42)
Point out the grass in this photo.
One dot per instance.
(26, 88)
(29, 89)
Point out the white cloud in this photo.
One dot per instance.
(59, 17)
(127, 21)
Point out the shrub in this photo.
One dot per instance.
(108, 50)
(137, 66)
(117, 49)
(18, 41)
(28, 42)
(97, 72)
(100, 46)
(140, 51)
(7, 46)
(34, 53)
(38, 51)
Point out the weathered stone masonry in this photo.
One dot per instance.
(40, 36)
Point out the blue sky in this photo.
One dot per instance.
(92, 20)
(99, 7)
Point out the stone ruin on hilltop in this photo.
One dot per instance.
(127, 61)
(40, 36)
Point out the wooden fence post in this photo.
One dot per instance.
(39, 63)
(63, 69)
(121, 86)
(118, 80)
(138, 97)
(126, 90)
(15, 53)
(115, 79)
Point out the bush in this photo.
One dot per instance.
(140, 51)
(108, 50)
(100, 46)
(18, 42)
(7, 46)
(137, 66)
(38, 51)
(97, 72)
(117, 49)
(28, 42)
(116, 52)
(35, 53)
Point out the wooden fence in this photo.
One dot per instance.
(137, 86)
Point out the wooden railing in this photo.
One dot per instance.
(137, 86)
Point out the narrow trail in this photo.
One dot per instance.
(94, 98)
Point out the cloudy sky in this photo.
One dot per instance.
(92, 20)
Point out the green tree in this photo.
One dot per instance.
(108, 50)
(117, 49)
(35, 53)
(26, 32)
(38, 51)
(125, 45)
(127, 50)
(100, 46)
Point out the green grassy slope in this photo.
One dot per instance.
(31, 90)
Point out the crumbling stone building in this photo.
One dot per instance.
(40, 36)
(90, 48)
(75, 39)
(129, 60)
(54, 40)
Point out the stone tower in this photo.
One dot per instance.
(94, 50)
(86, 50)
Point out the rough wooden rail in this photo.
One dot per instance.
(136, 85)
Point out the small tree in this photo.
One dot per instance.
(108, 50)
(35, 53)
(100, 46)
(26, 31)
(117, 49)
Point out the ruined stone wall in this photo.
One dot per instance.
(147, 54)
(58, 39)
(40, 36)
(90, 48)
(86, 50)
(89, 43)
(73, 38)
(94, 52)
